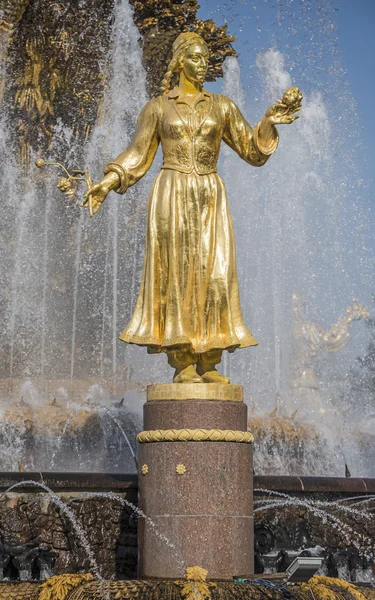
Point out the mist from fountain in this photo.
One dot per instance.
(69, 283)
(97, 435)
(98, 408)
(300, 230)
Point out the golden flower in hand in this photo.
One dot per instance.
(292, 98)
(64, 184)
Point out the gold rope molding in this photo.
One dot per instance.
(195, 435)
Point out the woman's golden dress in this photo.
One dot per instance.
(189, 293)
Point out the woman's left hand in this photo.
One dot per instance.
(280, 113)
(283, 111)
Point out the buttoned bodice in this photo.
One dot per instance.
(190, 135)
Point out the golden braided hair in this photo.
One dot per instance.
(172, 68)
(180, 45)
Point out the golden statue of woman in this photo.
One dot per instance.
(189, 304)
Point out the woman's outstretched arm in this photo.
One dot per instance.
(132, 163)
(255, 146)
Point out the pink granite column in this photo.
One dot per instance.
(198, 494)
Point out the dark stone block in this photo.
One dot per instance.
(195, 414)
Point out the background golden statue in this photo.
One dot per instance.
(189, 304)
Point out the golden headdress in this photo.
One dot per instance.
(184, 40)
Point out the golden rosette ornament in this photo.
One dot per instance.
(68, 184)
(65, 185)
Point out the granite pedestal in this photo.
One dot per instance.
(195, 482)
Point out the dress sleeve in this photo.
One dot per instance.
(136, 160)
(243, 139)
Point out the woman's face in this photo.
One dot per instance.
(195, 63)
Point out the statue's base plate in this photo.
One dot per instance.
(195, 391)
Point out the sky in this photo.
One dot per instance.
(347, 30)
(356, 36)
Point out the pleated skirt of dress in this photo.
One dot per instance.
(189, 293)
